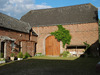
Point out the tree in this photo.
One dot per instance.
(62, 35)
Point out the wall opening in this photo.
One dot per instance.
(2, 48)
(35, 48)
(76, 50)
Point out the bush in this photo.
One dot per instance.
(26, 55)
(2, 59)
(39, 54)
(12, 55)
(1, 55)
(65, 54)
(20, 55)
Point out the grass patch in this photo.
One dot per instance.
(55, 58)
(51, 66)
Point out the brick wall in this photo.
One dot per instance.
(18, 36)
(80, 33)
(29, 47)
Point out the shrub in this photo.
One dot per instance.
(2, 59)
(87, 45)
(26, 55)
(65, 53)
(20, 55)
(39, 54)
(1, 55)
(12, 55)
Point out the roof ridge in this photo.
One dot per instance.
(53, 8)
(61, 7)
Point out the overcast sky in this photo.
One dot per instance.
(18, 8)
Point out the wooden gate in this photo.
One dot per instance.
(52, 46)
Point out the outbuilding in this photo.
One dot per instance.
(16, 36)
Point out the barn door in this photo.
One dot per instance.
(52, 46)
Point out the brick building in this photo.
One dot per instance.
(15, 36)
(80, 20)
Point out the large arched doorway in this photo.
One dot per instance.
(52, 46)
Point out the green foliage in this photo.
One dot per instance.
(62, 35)
(2, 59)
(12, 55)
(65, 54)
(20, 55)
(26, 55)
(39, 54)
(87, 45)
(1, 55)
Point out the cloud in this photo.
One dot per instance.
(17, 8)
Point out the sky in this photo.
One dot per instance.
(18, 8)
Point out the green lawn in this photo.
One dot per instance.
(51, 66)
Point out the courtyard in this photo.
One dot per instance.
(51, 66)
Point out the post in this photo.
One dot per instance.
(5, 48)
(77, 52)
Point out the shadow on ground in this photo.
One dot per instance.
(34, 66)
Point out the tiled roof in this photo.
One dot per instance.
(78, 14)
(14, 24)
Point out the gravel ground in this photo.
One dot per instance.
(46, 66)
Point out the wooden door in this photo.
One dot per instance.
(52, 46)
